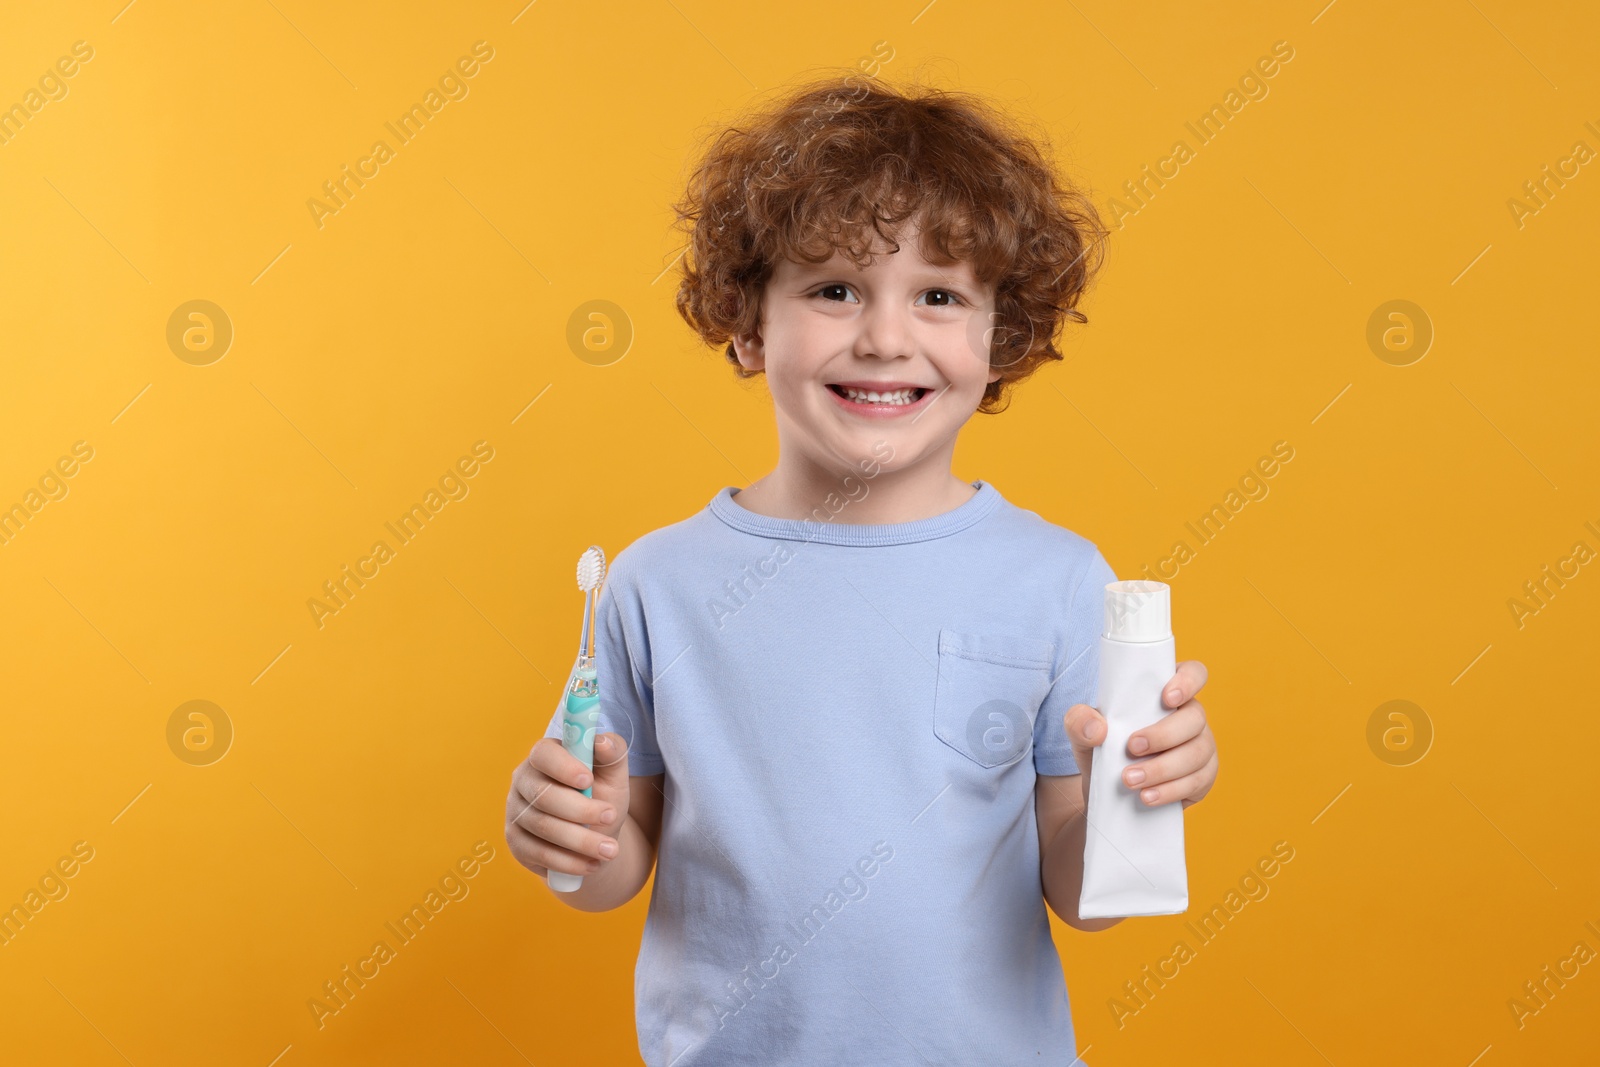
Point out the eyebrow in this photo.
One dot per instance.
(945, 275)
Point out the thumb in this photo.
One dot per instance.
(1086, 730)
(610, 760)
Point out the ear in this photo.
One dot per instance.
(995, 374)
(751, 352)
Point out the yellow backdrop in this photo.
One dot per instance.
(241, 345)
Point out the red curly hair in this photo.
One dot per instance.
(811, 174)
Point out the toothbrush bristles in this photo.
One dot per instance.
(591, 568)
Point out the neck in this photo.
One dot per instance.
(873, 492)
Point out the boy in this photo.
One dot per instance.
(848, 701)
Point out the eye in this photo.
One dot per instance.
(829, 288)
(946, 293)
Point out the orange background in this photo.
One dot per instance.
(369, 754)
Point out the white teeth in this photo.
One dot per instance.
(899, 396)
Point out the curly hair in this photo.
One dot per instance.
(808, 176)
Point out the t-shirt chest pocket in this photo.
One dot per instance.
(988, 693)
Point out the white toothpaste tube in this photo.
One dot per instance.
(1133, 860)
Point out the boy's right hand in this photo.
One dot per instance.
(550, 824)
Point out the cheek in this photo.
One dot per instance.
(791, 386)
(796, 354)
(964, 359)
(787, 392)
(979, 339)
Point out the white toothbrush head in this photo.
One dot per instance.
(591, 568)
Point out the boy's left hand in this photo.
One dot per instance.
(1183, 751)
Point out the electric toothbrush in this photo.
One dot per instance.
(581, 717)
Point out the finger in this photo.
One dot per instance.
(1085, 726)
(1169, 766)
(1189, 787)
(542, 857)
(1173, 729)
(1189, 680)
(521, 845)
(574, 837)
(569, 804)
(551, 758)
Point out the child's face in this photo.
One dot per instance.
(901, 321)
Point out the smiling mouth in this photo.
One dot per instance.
(892, 398)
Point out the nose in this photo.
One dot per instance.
(885, 332)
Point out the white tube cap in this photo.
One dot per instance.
(1138, 611)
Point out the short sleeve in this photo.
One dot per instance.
(627, 704)
(1077, 674)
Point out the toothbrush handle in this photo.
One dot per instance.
(583, 634)
(580, 720)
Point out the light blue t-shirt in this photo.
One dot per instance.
(850, 719)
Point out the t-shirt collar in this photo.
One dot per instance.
(836, 532)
